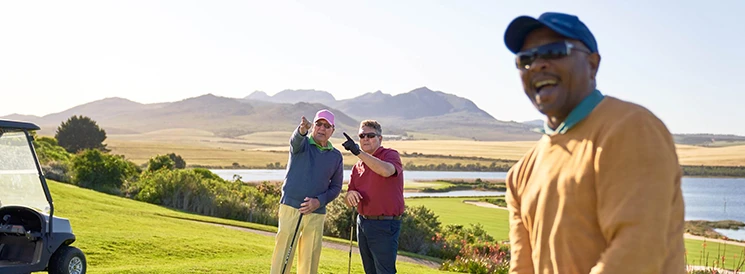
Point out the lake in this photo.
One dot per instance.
(706, 198)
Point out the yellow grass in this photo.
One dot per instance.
(495, 150)
(721, 156)
(258, 149)
(430, 136)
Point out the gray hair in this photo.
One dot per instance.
(374, 125)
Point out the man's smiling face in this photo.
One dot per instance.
(556, 86)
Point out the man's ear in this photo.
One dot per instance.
(594, 60)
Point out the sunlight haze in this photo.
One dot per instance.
(680, 59)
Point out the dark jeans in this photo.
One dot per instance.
(378, 241)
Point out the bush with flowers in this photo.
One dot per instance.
(470, 249)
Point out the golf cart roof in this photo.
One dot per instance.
(8, 124)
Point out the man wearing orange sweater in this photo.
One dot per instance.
(600, 192)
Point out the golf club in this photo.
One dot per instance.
(289, 251)
(351, 233)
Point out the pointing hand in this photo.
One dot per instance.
(304, 126)
(351, 146)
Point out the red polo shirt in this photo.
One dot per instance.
(380, 195)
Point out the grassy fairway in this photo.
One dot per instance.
(454, 211)
(415, 185)
(119, 235)
(495, 222)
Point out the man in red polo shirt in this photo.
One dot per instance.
(376, 188)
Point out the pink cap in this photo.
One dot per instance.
(326, 115)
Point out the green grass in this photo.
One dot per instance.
(697, 253)
(495, 222)
(416, 185)
(119, 235)
(454, 211)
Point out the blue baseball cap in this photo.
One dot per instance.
(565, 24)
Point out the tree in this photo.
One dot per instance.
(178, 162)
(160, 162)
(80, 133)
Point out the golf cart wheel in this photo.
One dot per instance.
(67, 260)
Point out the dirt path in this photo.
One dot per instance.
(483, 204)
(694, 237)
(334, 245)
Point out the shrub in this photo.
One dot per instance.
(498, 201)
(201, 191)
(58, 171)
(178, 162)
(103, 172)
(453, 238)
(160, 162)
(419, 225)
(339, 218)
(480, 258)
(275, 188)
(48, 150)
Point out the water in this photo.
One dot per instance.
(714, 199)
(455, 193)
(709, 199)
(732, 234)
(259, 175)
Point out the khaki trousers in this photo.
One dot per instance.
(308, 241)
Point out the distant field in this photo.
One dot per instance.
(430, 136)
(258, 149)
(724, 156)
(494, 150)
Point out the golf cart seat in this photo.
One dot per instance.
(20, 230)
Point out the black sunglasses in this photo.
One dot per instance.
(320, 124)
(548, 52)
(369, 135)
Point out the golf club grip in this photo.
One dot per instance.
(292, 243)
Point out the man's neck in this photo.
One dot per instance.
(323, 144)
(555, 120)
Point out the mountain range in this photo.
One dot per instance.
(418, 111)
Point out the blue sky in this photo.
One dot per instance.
(680, 59)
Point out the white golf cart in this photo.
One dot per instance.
(31, 237)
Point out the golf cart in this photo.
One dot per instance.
(31, 237)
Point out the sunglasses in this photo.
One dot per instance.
(369, 135)
(553, 51)
(326, 125)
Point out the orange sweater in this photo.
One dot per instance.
(604, 197)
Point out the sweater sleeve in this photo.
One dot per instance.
(521, 260)
(297, 141)
(637, 178)
(335, 187)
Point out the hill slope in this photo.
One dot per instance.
(291, 96)
(421, 110)
(121, 235)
